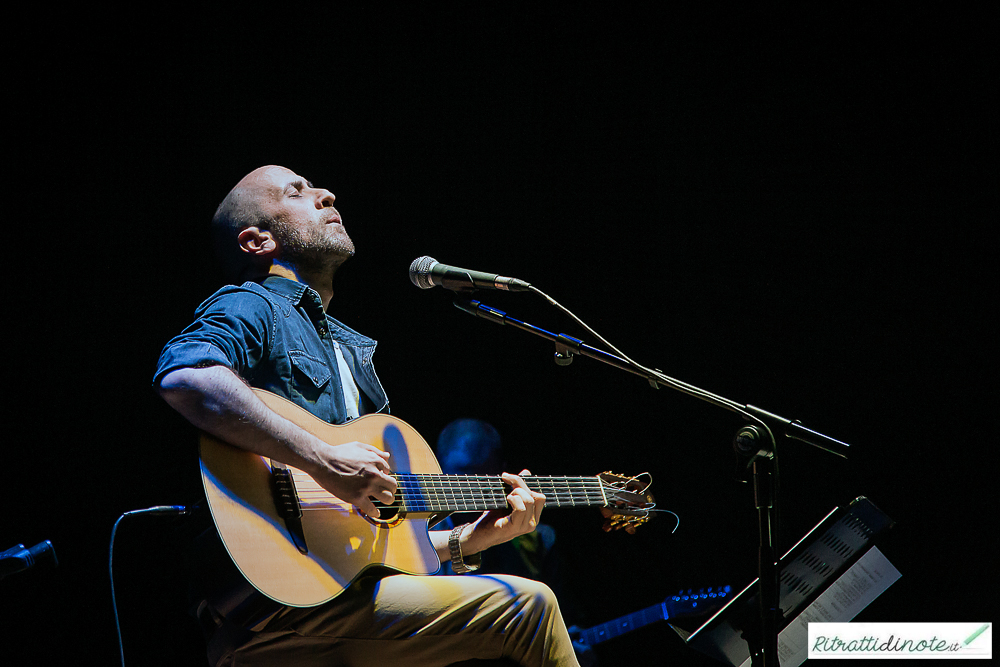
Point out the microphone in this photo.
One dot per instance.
(17, 558)
(427, 272)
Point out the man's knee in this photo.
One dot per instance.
(542, 595)
(529, 592)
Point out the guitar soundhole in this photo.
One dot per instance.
(389, 515)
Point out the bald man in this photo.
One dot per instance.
(282, 240)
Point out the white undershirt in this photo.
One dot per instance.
(352, 397)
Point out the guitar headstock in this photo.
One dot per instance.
(688, 602)
(630, 504)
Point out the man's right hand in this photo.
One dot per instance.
(355, 472)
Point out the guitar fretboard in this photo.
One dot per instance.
(619, 626)
(464, 493)
(478, 493)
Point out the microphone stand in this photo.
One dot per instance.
(755, 444)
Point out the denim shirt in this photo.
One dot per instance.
(277, 337)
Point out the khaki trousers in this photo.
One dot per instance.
(412, 621)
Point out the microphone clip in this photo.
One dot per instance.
(566, 348)
(479, 309)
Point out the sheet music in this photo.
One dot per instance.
(842, 601)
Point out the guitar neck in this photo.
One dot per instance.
(684, 603)
(479, 493)
(628, 623)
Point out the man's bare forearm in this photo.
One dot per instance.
(218, 402)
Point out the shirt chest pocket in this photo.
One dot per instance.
(310, 373)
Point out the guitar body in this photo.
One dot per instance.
(342, 542)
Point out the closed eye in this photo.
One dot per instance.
(295, 188)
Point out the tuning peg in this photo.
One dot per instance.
(627, 523)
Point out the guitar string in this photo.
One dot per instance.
(470, 498)
(448, 488)
(471, 483)
(449, 492)
(474, 483)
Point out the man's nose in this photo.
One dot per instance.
(325, 199)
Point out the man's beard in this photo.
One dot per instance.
(315, 251)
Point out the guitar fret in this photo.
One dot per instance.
(440, 494)
(457, 494)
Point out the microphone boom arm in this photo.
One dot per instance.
(568, 346)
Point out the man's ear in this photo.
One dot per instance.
(257, 242)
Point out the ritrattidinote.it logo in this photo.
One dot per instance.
(900, 640)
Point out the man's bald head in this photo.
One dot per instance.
(273, 215)
(241, 208)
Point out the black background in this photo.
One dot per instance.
(788, 207)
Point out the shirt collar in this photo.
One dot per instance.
(292, 290)
(299, 293)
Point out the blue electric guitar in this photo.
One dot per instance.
(684, 603)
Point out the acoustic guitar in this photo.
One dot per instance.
(301, 546)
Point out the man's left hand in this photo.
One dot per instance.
(498, 526)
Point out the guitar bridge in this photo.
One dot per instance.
(286, 502)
